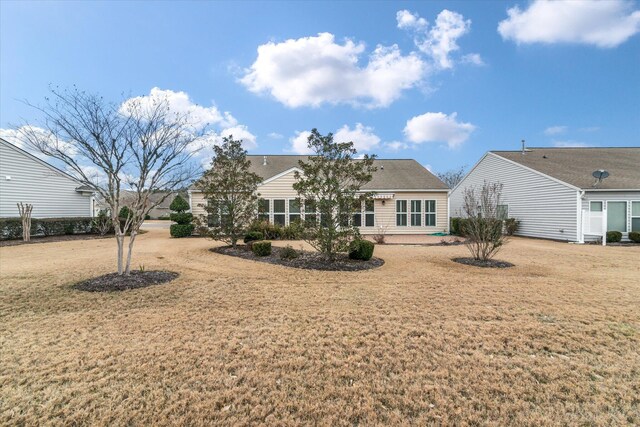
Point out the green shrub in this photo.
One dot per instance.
(614, 236)
(277, 231)
(634, 236)
(147, 216)
(361, 249)
(182, 217)
(454, 225)
(181, 230)
(125, 212)
(261, 248)
(253, 236)
(11, 228)
(511, 225)
(179, 204)
(165, 218)
(288, 253)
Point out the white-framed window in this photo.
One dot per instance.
(617, 216)
(279, 211)
(596, 211)
(357, 213)
(502, 211)
(310, 211)
(264, 209)
(369, 213)
(213, 213)
(401, 213)
(430, 213)
(294, 211)
(635, 215)
(416, 213)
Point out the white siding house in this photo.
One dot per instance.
(25, 178)
(553, 194)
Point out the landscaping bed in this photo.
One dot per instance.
(137, 279)
(305, 260)
(491, 263)
(49, 239)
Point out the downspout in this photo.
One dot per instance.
(580, 228)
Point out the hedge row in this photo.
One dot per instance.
(11, 228)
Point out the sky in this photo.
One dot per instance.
(439, 82)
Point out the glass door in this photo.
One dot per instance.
(617, 216)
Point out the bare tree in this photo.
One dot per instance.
(453, 176)
(482, 226)
(142, 147)
(25, 215)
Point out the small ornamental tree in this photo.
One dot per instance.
(183, 219)
(452, 177)
(482, 226)
(230, 190)
(329, 186)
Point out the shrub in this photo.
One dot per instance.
(614, 236)
(457, 226)
(147, 216)
(511, 225)
(11, 228)
(181, 230)
(182, 217)
(288, 253)
(253, 236)
(261, 248)
(634, 236)
(361, 249)
(125, 212)
(179, 204)
(165, 218)
(102, 223)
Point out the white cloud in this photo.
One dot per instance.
(555, 130)
(180, 102)
(428, 167)
(299, 143)
(396, 145)
(570, 144)
(441, 40)
(17, 137)
(604, 24)
(362, 137)
(312, 71)
(275, 135)
(438, 127)
(241, 132)
(408, 20)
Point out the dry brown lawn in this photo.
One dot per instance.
(421, 340)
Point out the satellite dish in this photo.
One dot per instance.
(600, 174)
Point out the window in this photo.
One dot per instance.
(310, 211)
(430, 213)
(635, 216)
(357, 213)
(369, 213)
(416, 213)
(401, 213)
(263, 209)
(225, 218)
(595, 217)
(294, 211)
(502, 211)
(213, 217)
(279, 214)
(617, 216)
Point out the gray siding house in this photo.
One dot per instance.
(554, 195)
(53, 193)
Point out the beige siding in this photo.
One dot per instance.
(385, 215)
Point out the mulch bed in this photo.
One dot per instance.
(137, 279)
(305, 260)
(492, 263)
(50, 239)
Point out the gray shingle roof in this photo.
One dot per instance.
(392, 174)
(575, 165)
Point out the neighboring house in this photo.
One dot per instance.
(126, 197)
(28, 179)
(554, 195)
(408, 198)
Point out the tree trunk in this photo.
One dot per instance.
(25, 214)
(132, 238)
(120, 240)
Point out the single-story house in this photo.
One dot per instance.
(568, 194)
(53, 193)
(408, 198)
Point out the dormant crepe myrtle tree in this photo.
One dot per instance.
(482, 226)
(141, 147)
(329, 189)
(452, 177)
(231, 193)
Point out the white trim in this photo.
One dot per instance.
(280, 175)
(536, 171)
(469, 173)
(626, 214)
(406, 213)
(612, 190)
(579, 217)
(435, 212)
(631, 216)
(405, 190)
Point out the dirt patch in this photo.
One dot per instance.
(50, 239)
(491, 263)
(137, 279)
(306, 260)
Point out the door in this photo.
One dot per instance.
(617, 216)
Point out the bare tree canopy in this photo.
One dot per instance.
(482, 225)
(108, 147)
(329, 189)
(453, 176)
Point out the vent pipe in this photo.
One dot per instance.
(523, 147)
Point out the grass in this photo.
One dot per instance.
(421, 340)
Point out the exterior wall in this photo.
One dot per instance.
(545, 207)
(607, 196)
(52, 193)
(385, 214)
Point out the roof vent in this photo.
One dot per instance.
(524, 148)
(264, 160)
(599, 175)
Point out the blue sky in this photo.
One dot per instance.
(441, 82)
